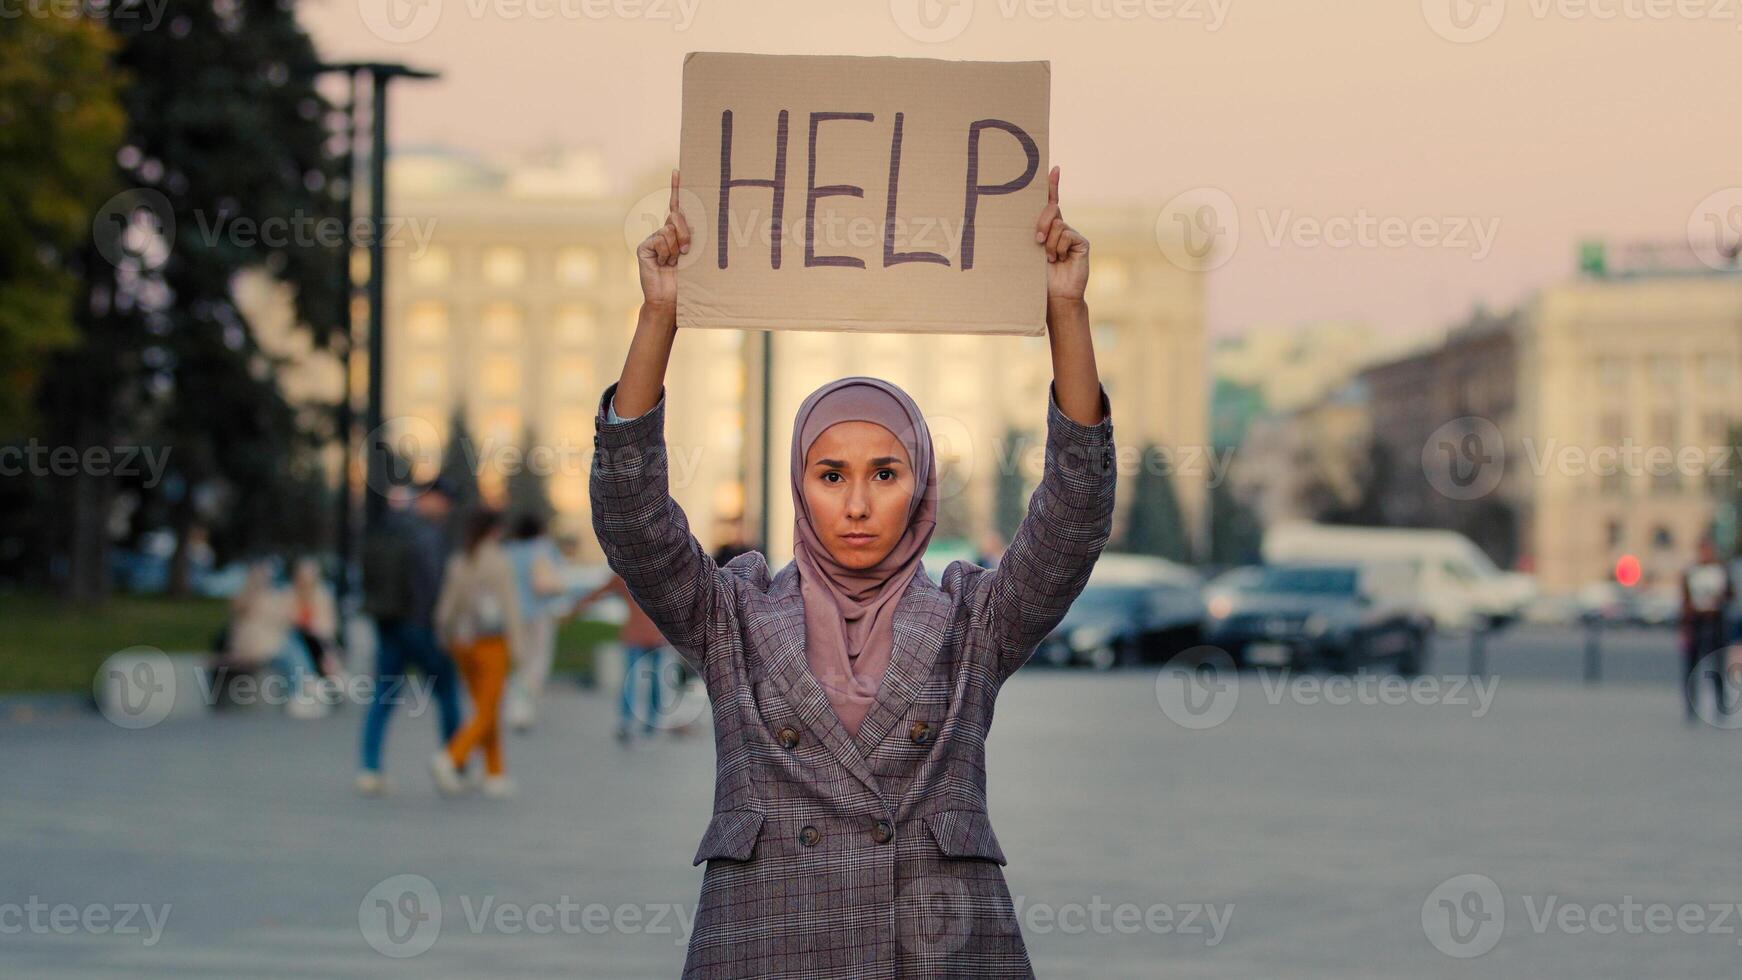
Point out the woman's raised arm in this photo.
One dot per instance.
(1070, 515)
(645, 534)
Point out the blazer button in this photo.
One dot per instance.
(809, 836)
(882, 833)
(788, 737)
(920, 733)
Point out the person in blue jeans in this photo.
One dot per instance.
(402, 578)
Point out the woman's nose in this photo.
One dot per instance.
(858, 501)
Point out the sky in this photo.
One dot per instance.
(1389, 161)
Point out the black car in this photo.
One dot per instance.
(1134, 610)
(1336, 617)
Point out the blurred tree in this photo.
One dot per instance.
(459, 471)
(954, 520)
(224, 166)
(60, 124)
(1010, 499)
(527, 492)
(1156, 526)
(1235, 534)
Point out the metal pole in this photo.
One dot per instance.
(376, 503)
(1593, 651)
(765, 478)
(1478, 651)
(346, 422)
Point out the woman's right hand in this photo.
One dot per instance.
(658, 253)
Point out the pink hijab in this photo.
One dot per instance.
(849, 614)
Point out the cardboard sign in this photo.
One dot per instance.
(863, 194)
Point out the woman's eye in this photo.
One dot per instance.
(829, 477)
(889, 473)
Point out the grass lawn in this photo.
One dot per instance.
(50, 646)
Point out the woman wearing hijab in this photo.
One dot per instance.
(851, 693)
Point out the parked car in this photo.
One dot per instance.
(1135, 609)
(1612, 604)
(1454, 580)
(1339, 617)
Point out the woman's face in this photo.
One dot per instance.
(858, 485)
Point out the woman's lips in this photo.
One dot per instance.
(858, 538)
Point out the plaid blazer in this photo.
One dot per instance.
(829, 855)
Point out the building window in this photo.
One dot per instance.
(575, 326)
(1111, 277)
(1613, 479)
(427, 322)
(1611, 372)
(428, 378)
(572, 379)
(1665, 372)
(576, 266)
(432, 267)
(500, 378)
(504, 266)
(501, 323)
(1665, 476)
(1718, 372)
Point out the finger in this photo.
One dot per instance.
(1052, 186)
(1054, 236)
(681, 225)
(661, 246)
(1045, 221)
(672, 206)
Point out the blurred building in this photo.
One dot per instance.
(519, 312)
(1307, 463)
(1630, 379)
(1606, 402)
(1425, 409)
(1294, 367)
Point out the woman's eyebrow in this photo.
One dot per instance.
(840, 464)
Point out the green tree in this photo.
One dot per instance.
(226, 137)
(527, 492)
(60, 124)
(1156, 526)
(1235, 534)
(1010, 501)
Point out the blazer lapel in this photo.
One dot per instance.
(921, 616)
(792, 672)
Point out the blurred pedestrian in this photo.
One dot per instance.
(541, 587)
(478, 619)
(314, 616)
(1707, 592)
(642, 645)
(403, 562)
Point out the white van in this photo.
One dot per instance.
(1453, 580)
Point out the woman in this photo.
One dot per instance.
(851, 694)
(539, 586)
(478, 620)
(314, 617)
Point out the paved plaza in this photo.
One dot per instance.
(1271, 829)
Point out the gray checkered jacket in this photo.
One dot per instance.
(828, 855)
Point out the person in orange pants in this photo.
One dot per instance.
(477, 619)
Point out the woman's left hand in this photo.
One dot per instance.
(1067, 252)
